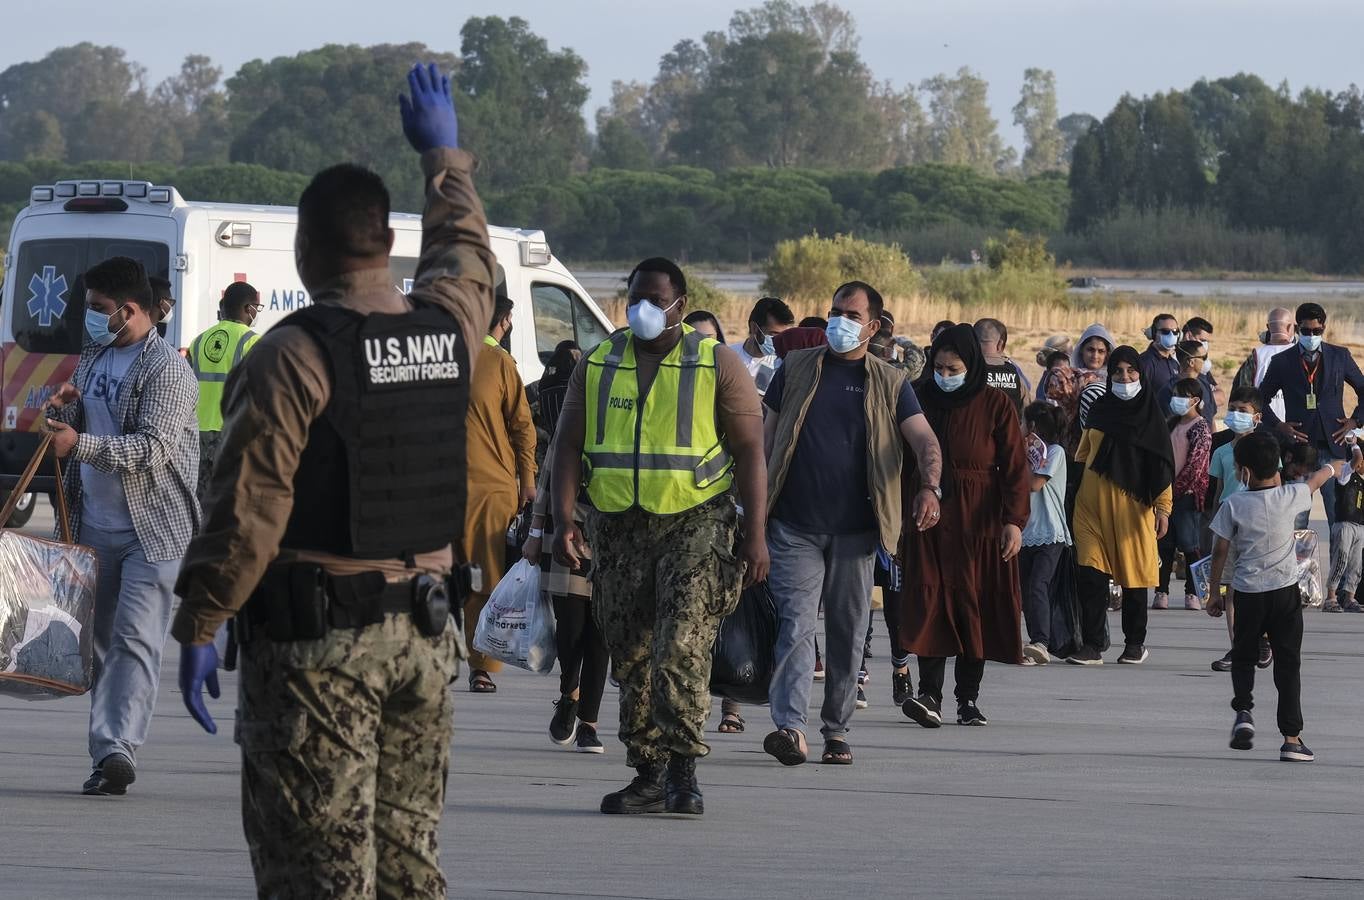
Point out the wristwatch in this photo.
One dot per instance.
(535, 533)
(937, 491)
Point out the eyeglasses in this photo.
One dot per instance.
(1312, 332)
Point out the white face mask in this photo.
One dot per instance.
(648, 321)
(1126, 391)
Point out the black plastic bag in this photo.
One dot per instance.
(1064, 634)
(741, 668)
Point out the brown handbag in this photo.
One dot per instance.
(47, 602)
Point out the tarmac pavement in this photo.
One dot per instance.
(1113, 781)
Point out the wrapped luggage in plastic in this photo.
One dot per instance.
(517, 623)
(47, 608)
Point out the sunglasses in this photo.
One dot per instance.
(1312, 332)
(1167, 331)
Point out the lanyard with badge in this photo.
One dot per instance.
(1311, 382)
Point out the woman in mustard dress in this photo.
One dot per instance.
(1122, 509)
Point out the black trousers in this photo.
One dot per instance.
(1279, 615)
(968, 674)
(583, 657)
(1092, 586)
(1037, 567)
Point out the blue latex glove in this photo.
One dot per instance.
(199, 667)
(429, 116)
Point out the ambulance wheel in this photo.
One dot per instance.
(23, 512)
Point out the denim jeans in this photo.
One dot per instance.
(1182, 535)
(805, 568)
(132, 615)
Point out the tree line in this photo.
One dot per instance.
(767, 130)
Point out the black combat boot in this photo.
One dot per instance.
(683, 794)
(643, 795)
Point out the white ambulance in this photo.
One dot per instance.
(201, 248)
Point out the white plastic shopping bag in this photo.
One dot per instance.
(517, 624)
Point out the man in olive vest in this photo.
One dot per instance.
(659, 421)
(839, 421)
(212, 355)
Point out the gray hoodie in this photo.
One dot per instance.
(1095, 330)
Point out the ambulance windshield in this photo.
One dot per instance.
(49, 296)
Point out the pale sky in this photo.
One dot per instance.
(1099, 49)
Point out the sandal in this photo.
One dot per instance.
(836, 753)
(731, 723)
(784, 744)
(480, 683)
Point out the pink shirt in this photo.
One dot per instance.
(1179, 439)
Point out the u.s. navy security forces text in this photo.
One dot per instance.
(429, 357)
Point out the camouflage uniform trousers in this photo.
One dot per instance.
(208, 452)
(345, 746)
(661, 585)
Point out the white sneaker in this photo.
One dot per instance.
(1161, 601)
(1037, 653)
(1191, 601)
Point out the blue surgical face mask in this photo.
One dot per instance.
(97, 326)
(1126, 391)
(1167, 341)
(648, 321)
(950, 383)
(843, 334)
(1180, 405)
(768, 347)
(1240, 422)
(1310, 342)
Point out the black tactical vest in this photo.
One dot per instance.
(383, 473)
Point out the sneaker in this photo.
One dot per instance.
(587, 740)
(861, 701)
(1085, 656)
(1134, 655)
(924, 710)
(969, 714)
(1243, 732)
(1353, 606)
(1036, 652)
(564, 726)
(901, 687)
(1191, 601)
(1298, 752)
(111, 777)
(1028, 661)
(1266, 655)
(1160, 601)
(1332, 606)
(819, 669)
(1223, 664)
(863, 676)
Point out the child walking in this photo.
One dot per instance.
(1046, 536)
(1191, 439)
(1347, 537)
(1256, 526)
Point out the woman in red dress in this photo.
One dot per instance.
(961, 595)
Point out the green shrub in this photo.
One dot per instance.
(1020, 252)
(812, 267)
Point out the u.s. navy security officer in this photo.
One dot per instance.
(336, 502)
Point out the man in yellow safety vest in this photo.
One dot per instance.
(212, 355)
(659, 421)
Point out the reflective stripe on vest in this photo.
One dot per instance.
(212, 355)
(668, 458)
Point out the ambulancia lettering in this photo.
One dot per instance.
(414, 358)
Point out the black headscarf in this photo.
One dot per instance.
(961, 340)
(1135, 453)
(554, 384)
(938, 404)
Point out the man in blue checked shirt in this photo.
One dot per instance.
(127, 426)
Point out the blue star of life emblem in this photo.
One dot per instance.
(47, 291)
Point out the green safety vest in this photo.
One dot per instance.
(667, 457)
(212, 355)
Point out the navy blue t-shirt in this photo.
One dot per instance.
(825, 491)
